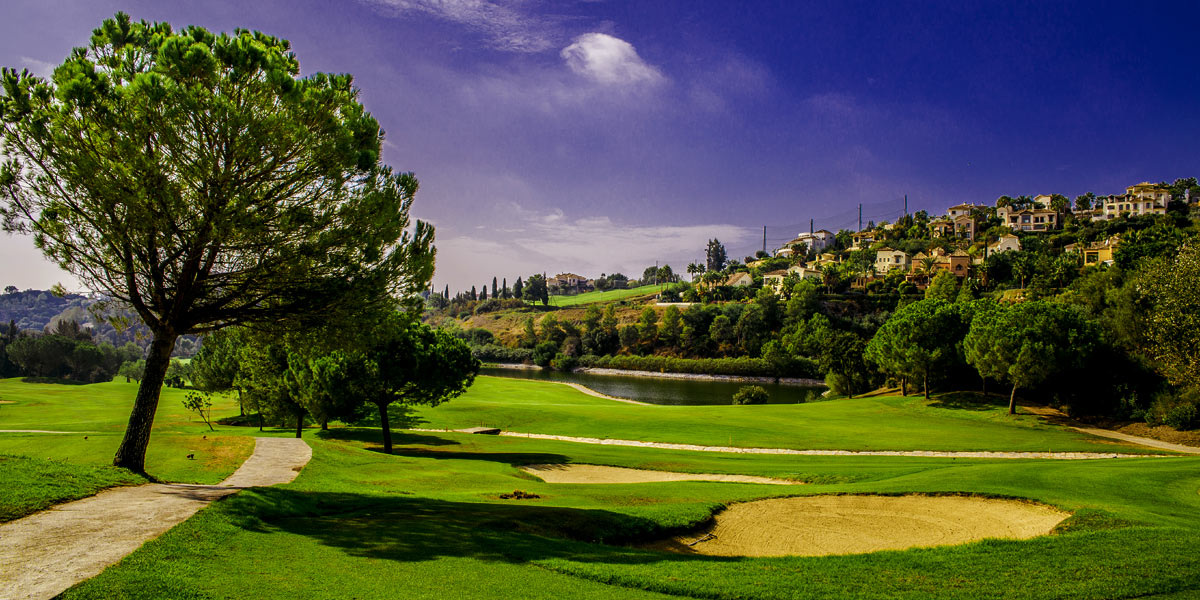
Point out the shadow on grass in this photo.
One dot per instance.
(515, 459)
(407, 529)
(372, 435)
(968, 401)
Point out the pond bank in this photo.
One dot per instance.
(664, 375)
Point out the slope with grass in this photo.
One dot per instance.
(887, 423)
(605, 296)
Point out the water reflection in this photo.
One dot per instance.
(656, 390)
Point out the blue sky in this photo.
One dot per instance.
(597, 136)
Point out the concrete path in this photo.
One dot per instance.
(45, 553)
(1058, 417)
(737, 450)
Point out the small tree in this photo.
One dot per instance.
(535, 290)
(751, 394)
(715, 256)
(199, 403)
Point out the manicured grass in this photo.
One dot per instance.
(428, 523)
(32, 484)
(97, 415)
(605, 296)
(890, 423)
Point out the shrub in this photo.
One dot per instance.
(751, 394)
(1178, 410)
(563, 362)
(501, 354)
(838, 384)
(740, 366)
(544, 353)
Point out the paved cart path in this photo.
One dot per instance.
(45, 553)
(741, 450)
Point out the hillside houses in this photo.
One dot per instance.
(1142, 199)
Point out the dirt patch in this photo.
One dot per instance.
(1163, 433)
(602, 474)
(8, 402)
(823, 525)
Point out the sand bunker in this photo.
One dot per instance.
(599, 474)
(821, 525)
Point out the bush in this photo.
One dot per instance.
(544, 353)
(1181, 417)
(739, 366)
(501, 354)
(1178, 410)
(838, 384)
(751, 394)
(563, 362)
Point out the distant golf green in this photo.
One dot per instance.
(605, 296)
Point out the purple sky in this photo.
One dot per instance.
(597, 136)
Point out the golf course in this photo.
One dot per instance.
(441, 517)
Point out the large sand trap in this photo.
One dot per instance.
(820, 525)
(600, 474)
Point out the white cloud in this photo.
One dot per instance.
(40, 68)
(554, 243)
(608, 60)
(504, 24)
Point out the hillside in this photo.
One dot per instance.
(36, 310)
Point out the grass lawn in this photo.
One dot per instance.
(97, 414)
(428, 521)
(605, 296)
(890, 423)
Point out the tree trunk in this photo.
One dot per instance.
(131, 454)
(1012, 401)
(983, 384)
(324, 424)
(387, 427)
(299, 423)
(241, 405)
(925, 383)
(903, 386)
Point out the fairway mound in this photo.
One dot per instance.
(601, 474)
(823, 525)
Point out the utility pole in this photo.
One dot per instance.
(906, 205)
(764, 239)
(810, 226)
(860, 216)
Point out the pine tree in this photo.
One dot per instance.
(493, 287)
(504, 290)
(518, 288)
(474, 294)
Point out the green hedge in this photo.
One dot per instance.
(501, 354)
(743, 366)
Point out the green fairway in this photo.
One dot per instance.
(605, 296)
(428, 523)
(892, 423)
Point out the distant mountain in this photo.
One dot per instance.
(38, 310)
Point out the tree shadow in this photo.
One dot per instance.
(409, 529)
(968, 401)
(515, 459)
(371, 435)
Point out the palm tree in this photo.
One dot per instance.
(695, 269)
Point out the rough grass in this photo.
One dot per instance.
(885, 423)
(97, 415)
(32, 484)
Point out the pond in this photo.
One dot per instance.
(658, 390)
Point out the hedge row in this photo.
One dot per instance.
(501, 354)
(743, 366)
